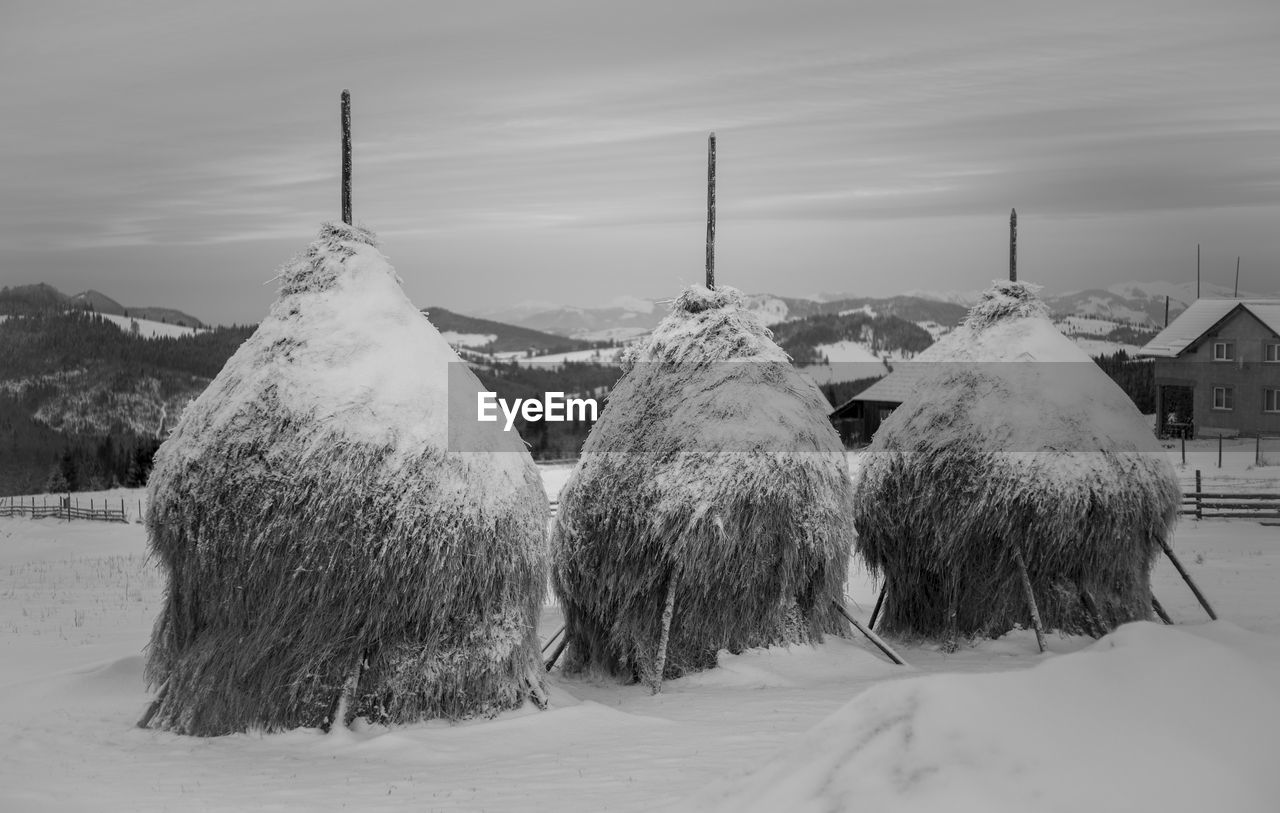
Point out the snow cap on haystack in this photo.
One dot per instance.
(1015, 440)
(322, 543)
(714, 469)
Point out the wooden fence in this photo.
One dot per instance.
(1239, 505)
(63, 508)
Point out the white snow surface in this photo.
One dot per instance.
(1168, 719)
(149, 329)
(456, 339)
(360, 359)
(1148, 718)
(846, 351)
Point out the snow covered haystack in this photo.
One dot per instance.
(713, 473)
(328, 556)
(1015, 441)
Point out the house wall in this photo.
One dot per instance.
(1247, 375)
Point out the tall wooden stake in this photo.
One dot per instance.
(1197, 270)
(1013, 245)
(875, 613)
(711, 211)
(1236, 293)
(1186, 577)
(660, 658)
(346, 157)
(1166, 310)
(871, 636)
(1031, 597)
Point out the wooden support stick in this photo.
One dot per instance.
(1091, 612)
(1155, 605)
(660, 659)
(1186, 577)
(552, 639)
(1031, 596)
(346, 696)
(871, 636)
(555, 655)
(346, 157)
(154, 707)
(711, 211)
(875, 613)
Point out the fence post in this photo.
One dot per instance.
(1184, 448)
(1219, 451)
(1257, 450)
(1198, 503)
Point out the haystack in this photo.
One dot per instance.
(712, 478)
(1015, 442)
(328, 553)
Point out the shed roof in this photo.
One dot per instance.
(1201, 317)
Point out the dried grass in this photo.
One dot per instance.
(995, 457)
(301, 556)
(713, 465)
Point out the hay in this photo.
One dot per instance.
(713, 465)
(317, 532)
(1049, 457)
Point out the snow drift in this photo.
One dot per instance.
(1148, 718)
(320, 541)
(714, 476)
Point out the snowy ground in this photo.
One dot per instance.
(148, 329)
(1150, 718)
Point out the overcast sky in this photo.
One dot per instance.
(177, 153)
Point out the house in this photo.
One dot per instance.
(1217, 369)
(858, 418)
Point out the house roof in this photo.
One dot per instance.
(1201, 317)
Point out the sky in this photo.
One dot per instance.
(178, 153)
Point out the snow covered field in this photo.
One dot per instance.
(148, 329)
(1149, 718)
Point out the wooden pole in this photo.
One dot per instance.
(346, 157)
(1166, 311)
(875, 613)
(1031, 597)
(552, 639)
(1199, 503)
(1186, 577)
(1155, 605)
(555, 656)
(1197, 270)
(1092, 612)
(711, 211)
(871, 636)
(1235, 294)
(660, 658)
(1013, 245)
(1219, 451)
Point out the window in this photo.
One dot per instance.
(1273, 352)
(1224, 351)
(1223, 398)
(1271, 400)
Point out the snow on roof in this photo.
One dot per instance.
(1203, 314)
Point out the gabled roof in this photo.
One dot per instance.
(1203, 316)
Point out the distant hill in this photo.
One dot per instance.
(490, 336)
(23, 299)
(41, 297)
